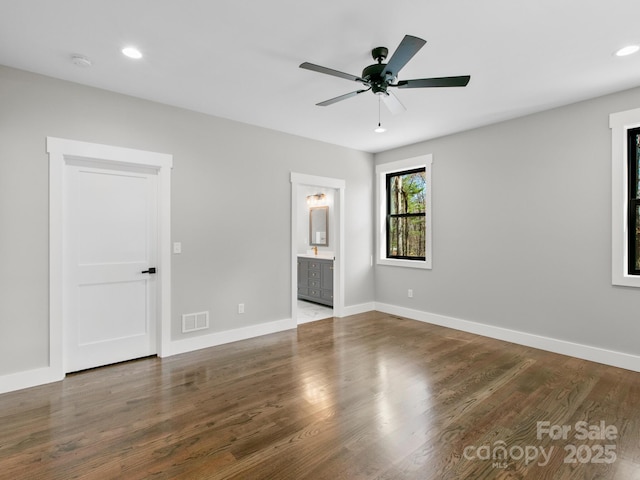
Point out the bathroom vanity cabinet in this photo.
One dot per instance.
(315, 280)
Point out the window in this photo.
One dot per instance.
(625, 200)
(405, 200)
(404, 213)
(633, 205)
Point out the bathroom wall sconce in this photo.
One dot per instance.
(316, 199)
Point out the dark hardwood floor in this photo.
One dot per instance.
(370, 396)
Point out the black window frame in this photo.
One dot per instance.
(633, 202)
(389, 215)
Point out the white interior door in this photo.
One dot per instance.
(110, 241)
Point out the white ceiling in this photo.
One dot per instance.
(239, 59)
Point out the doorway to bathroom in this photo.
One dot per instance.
(317, 270)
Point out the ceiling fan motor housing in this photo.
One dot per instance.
(373, 75)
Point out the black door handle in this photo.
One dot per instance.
(151, 270)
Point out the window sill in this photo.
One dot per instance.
(423, 264)
(623, 280)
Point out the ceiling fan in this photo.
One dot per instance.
(380, 76)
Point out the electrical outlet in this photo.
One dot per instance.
(410, 293)
(177, 247)
(241, 308)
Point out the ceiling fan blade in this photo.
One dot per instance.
(393, 103)
(408, 47)
(331, 71)
(331, 101)
(435, 82)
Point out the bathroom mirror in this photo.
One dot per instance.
(319, 226)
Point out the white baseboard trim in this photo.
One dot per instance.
(563, 347)
(219, 338)
(356, 309)
(28, 379)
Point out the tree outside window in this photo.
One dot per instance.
(406, 219)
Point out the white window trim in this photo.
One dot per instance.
(620, 123)
(423, 161)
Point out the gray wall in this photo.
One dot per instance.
(522, 229)
(231, 206)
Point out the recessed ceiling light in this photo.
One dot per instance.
(628, 50)
(132, 52)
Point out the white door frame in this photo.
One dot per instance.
(299, 180)
(61, 151)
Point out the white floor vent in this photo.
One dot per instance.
(195, 321)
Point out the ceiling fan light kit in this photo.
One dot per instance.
(379, 76)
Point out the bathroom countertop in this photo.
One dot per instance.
(319, 256)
